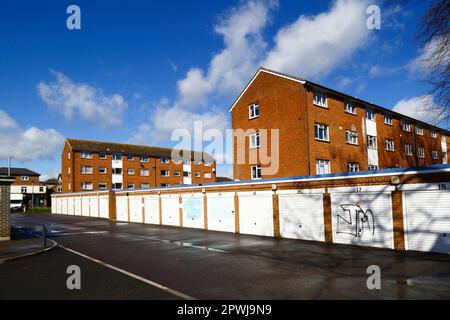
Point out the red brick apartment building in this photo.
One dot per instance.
(324, 131)
(93, 165)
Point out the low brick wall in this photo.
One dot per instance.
(5, 227)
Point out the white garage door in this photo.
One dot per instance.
(85, 206)
(151, 206)
(301, 214)
(193, 211)
(362, 216)
(54, 205)
(221, 215)
(136, 209)
(122, 208)
(104, 207)
(77, 201)
(93, 203)
(427, 219)
(58, 205)
(70, 206)
(256, 213)
(64, 206)
(170, 206)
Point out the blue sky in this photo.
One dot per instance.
(137, 70)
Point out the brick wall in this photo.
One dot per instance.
(5, 209)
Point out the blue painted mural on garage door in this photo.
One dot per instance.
(193, 212)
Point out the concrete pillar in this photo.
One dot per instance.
(5, 222)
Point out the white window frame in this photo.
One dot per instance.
(406, 126)
(255, 172)
(144, 158)
(130, 157)
(102, 156)
(408, 149)
(25, 188)
(325, 129)
(100, 170)
(114, 171)
(421, 152)
(207, 164)
(130, 184)
(117, 156)
(24, 178)
(115, 186)
(130, 171)
(323, 166)
(389, 145)
(165, 175)
(84, 186)
(351, 137)
(145, 185)
(86, 155)
(254, 141)
(372, 167)
(197, 174)
(387, 120)
(177, 173)
(87, 170)
(144, 172)
(164, 160)
(102, 186)
(253, 111)
(435, 154)
(349, 107)
(207, 175)
(320, 99)
(370, 115)
(352, 167)
(419, 131)
(433, 134)
(372, 142)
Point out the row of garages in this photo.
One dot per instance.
(361, 215)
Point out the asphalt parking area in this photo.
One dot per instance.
(215, 265)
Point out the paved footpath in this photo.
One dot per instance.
(213, 265)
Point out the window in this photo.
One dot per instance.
(102, 170)
(130, 186)
(389, 144)
(143, 159)
(116, 170)
(145, 185)
(25, 178)
(320, 99)
(433, 134)
(165, 185)
(197, 163)
(255, 172)
(117, 186)
(371, 142)
(130, 171)
(387, 119)
(207, 164)
(41, 189)
(434, 154)
(207, 175)
(197, 174)
(406, 126)
(349, 108)
(373, 167)
(24, 189)
(253, 111)
(421, 152)
(87, 186)
(177, 173)
(68, 155)
(352, 167)
(408, 149)
(164, 160)
(68, 186)
(144, 172)
(165, 173)
(322, 167)
(130, 157)
(86, 155)
(102, 156)
(59, 189)
(370, 115)
(102, 186)
(419, 131)
(351, 137)
(254, 140)
(117, 156)
(187, 162)
(86, 170)
(321, 132)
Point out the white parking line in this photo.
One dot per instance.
(132, 275)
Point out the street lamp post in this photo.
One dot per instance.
(9, 165)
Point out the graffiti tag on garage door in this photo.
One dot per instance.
(354, 220)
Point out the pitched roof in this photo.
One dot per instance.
(18, 172)
(304, 81)
(132, 149)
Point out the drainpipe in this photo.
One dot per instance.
(307, 129)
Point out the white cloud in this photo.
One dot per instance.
(29, 144)
(80, 99)
(314, 46)
(429, 59)
(52, 174)
(422, 108)
(6, 122)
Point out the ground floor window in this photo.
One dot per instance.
(373, 167)
(322, 167)
(117, 186)
(352, 167)
(256, 172)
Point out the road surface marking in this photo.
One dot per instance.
(132, 275)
